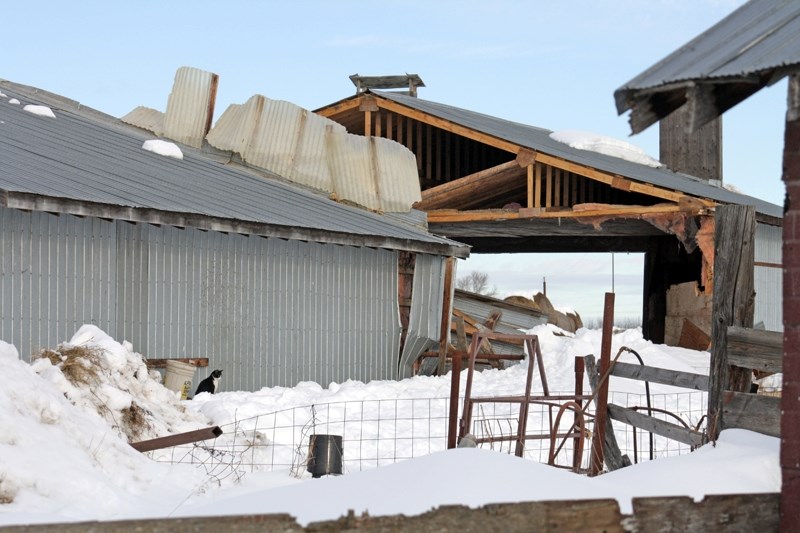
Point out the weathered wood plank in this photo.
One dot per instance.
(661, 375)
(654, 425)
(752, 411)
(162, 363)
(611, 453)
(730, 512)
(757, 347)
(472, 190)
(733, 302)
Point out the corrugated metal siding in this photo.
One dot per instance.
(426, 310)
(80, 157)
(350, 160)
(269, 312)
(760, 35)
(396, 175)
(514, 320)
(57, 274)
(769, 280)
(146, 118)
(188, 106)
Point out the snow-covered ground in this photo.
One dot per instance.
(67, 418)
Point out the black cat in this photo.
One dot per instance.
(210, 383)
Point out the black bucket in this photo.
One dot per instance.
(325, 455)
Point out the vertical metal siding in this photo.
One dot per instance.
(427, 299)
(57, 274)
(769, 280)
(267, 311)
(188, 106)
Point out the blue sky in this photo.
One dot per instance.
(552, 64)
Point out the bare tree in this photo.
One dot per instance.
(476, 281)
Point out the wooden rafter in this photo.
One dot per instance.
(613, 180)
(591, 210)
(474, 189)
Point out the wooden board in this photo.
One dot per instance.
(752, 411)
(200, 362)
(729, 512)
(661, 375)
(755, 349)
(654, 425)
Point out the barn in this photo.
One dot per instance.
(505, 187)
(202, 255)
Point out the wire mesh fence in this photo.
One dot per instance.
(381, 432)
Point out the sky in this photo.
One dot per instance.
(548, 64)
(64, 453)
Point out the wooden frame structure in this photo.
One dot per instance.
(500, 196)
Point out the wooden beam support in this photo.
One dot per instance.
(733, 303)
(606, 211)
(755, 349)
(341, 107)
(449, 126)
(472, 189)
(654, 425)
(447, 304)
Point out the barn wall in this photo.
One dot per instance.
(267, 311)
(57, 274)
(769, 279)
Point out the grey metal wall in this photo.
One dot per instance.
(769, 280)
(57, 274)
(267, 311)
(424, 323)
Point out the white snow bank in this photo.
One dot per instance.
(164, 148)
(475, 477)
(583, 140)
(14, 101)
(41, 110)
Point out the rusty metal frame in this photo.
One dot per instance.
(562, 402)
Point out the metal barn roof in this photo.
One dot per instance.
(82, 162)
(539, 139)
(756, 45)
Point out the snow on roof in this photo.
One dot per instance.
(41, 110)
(584, 140)
(164, 148)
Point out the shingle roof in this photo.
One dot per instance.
(539, 139)
(85, 156)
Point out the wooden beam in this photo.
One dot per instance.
(755, 412)
(733, 302)
(612, 456)
(447, 303)
(609, 212)
(654, 425)
(470, 190)
(530, 188)
(341, 107)
(756, 349)
(162, 363)
(449, 126)
(663, 376)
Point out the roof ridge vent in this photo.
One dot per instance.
(402, 81)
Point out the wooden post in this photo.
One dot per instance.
(601, 414)
(697, 154)
(579, 370)
(447, 303)
(790, 399)
(733, 303)
(455, 381)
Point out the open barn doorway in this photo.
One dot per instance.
(574, 282)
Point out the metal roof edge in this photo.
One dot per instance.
(32, 202)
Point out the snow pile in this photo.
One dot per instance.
(100, 375)
(14, 101)
(164, 148)
(601, 144)
(40, 110)
(61, 461)
(62, 457)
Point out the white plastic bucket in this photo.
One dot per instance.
(178, 377)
